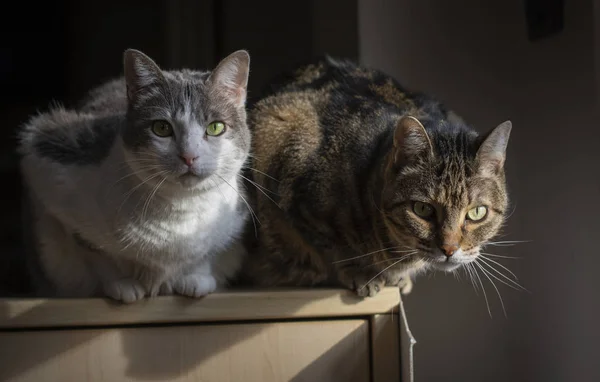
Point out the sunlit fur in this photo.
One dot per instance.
(114, 209)
(450, 182)
(341, 152)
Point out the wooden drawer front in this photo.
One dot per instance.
(316, 351)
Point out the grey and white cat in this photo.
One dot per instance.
(138, 192)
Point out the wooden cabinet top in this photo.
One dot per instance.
(235, 305)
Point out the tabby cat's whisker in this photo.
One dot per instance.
(367, 254)
(486, 254)
(374, 277)
(487, 303)
(487, 274)
(394, 258)
(469, 271)
(484, 258)
(506, 243)
(509, 282)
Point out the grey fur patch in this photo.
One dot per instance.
(88, 146)
(85, 243)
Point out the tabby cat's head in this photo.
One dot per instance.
(186, 127)
(445, 193)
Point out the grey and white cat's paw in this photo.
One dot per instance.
(125, 290)
(195, 285)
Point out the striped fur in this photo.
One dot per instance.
(342, 152)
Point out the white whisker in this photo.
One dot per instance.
(252, 213)
(511, 283)
(368, 254)
(483, 258)
(262, 173)
(394, 258)
(499, 256)
(487, 303)
(486, 274)
(374, 277)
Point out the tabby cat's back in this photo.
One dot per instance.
(344, 153)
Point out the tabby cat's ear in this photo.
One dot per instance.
(411, 141)
(140, 73)
(230, 77)
(492, 151)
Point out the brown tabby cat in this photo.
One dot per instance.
(366, 184)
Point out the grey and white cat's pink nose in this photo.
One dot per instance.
(188, 159)
(449, 249)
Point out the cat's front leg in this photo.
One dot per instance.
(197, 283)
(127, 290)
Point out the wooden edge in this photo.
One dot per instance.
(226, 306)
(407, 343)
(385, 345)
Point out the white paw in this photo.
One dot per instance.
(195, 285)
(126, 290)
(406, 286)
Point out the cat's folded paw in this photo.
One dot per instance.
(365, 288)
(195, 285)
(362, 284)
(405, 285)
(125, 290)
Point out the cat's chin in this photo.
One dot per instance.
(191, 181)
(445, 266)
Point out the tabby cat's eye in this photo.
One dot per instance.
(423, 210)
(215, 128)
(162, 128)
(477, 213)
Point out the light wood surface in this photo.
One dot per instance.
(323, 351)
(227, 306)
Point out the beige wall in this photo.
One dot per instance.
(475, 56)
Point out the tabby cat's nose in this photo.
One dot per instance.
(449, 249)
(188, 159)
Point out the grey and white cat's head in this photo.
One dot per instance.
(186, 129)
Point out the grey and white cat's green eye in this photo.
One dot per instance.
(477, 213)
(215, 128)
(162, 128)
(423, 210)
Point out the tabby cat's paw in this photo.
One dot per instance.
(368, 288)
(195, 285)
(125, 290)
(405, 285)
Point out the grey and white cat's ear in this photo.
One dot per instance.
(230, 77)
(411, 141)
(141, 72)
(492, 151)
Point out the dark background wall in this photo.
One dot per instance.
(475, 55)
(478, 57)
